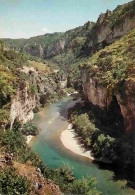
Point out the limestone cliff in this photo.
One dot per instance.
(111, 72)
(55, 48)
(110, 27)
(37, 89)
(98, 96)
(22, 106)
(107, 34)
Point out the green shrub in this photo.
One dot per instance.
(105, 147)
(13, 184)
(37, 109)
(69, 184)
(121, 12)
(85, 186)
(13, 141)
(23, 76)
(100, 130)
(7, 80)
(33, 89)
(70, 90)
(84, 127)
(113, 65)
(4, 116)
(29, 129)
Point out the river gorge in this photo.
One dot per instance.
(52, 121)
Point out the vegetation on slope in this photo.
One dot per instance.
(25, 45)
(84, 42)
(79, 42)
(74, 39)
(103, 132)
(66, 59)
(12, 141)
(39, 66)
(114, 19)
(113, 66)
(14, 75)
(11, 183)
(7, 83)
(121, 12)
(9, 62)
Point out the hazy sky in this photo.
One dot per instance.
(26, 18)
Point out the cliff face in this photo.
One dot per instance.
(110, 27)
(25, 86)
(55, 48)
(45, 52)
(22, 106)
(35, 50)
(109, 35)
(107, 69)
(98, 96)
(111, 72)
(39, 88)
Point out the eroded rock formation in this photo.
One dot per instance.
(109, 35)
(111, 72)
(36, 91)
(99, 95)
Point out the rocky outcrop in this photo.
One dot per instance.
(39, 184)
(94, 93)
(128, 107)
(111, 71)
(110, 27)
(49, 51)
(55, 48)
(36, 90)
(34, 50)
(99, 95)
(109, 35)
(22, 106)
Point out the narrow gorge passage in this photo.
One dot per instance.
(52, 121)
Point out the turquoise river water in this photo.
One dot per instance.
(52, 120)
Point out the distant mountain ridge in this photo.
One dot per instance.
(48, 45)
(81, 41)
(67, 50)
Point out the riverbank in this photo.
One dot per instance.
(54, 154)
(72, 143)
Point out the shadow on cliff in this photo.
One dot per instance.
(110, 122)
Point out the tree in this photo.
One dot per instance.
(29, 129)
(105, 147)
(13, 184)
(86, 186)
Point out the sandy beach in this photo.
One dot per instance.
(29, 138)
(69, 140)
